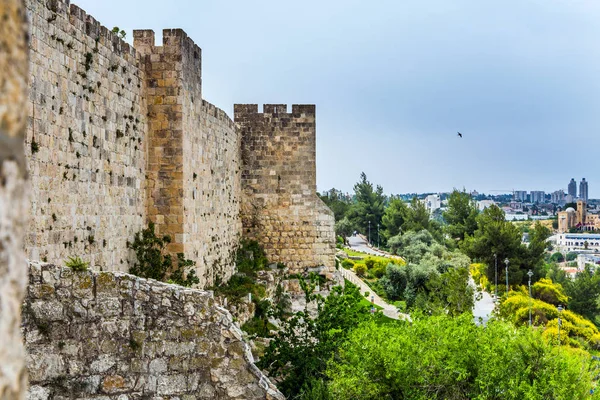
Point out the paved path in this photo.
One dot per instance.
(484, 305)
(388, 309)
(358, 243)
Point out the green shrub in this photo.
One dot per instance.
(178, 277)
(250, 257)
(77, 264)
(347, 263)
(152, 263)
(370, 262)
(360, 269)
(378, 270)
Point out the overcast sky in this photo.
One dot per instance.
(394, 80)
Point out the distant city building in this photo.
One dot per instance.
(579, 241)
(520, 195)
(516, 217)
(570, 198)
(557, 197)
(572, 189)
(537, 196)
(583, 190)
(579, 219)
(483, 204)
(516, 205)
(433, 202)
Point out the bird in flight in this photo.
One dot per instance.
(459, 134)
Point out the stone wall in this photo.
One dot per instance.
(280, 207)
(13, 195)
(85, 140)
(92, 334)
(120, 135)
(193, 170)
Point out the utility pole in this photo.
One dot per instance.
(496, 278)
(560, 308)
(506, 262)
(369, 233)
(530, 274)
(377, 235)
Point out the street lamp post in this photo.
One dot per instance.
(496, 279)
(377, 235)
(369, 232)
(530, 274)
(560, 308)
(506, 263)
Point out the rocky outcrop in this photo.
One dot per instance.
(111, 334)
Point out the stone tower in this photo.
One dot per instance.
(280, 206)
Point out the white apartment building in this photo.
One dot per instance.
(577, 241)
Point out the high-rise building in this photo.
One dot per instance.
(572, 190)
(520, 195)
(557, 197)
(583, 190)
(537, 196)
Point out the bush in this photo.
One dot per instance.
(370, 262)
(152, 263)
(557, 257)
(149, 248)
(378, 270)
(451, 358)
(250, 257)
(571, 256)
(360, 269)
(77, 264)
(347, 263)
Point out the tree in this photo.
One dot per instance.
(451, 358)
(583, 292)
(461, 215)
(417, 217)
(336, 201)
(494, 235)
(533, 255)
(393, 218)
(369, 205)
(344, 228)
(298, 355)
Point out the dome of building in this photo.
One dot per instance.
(570, 210)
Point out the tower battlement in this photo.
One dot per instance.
(298, 110)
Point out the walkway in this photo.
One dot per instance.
(359, 243)
(388, 309)
(484, 305)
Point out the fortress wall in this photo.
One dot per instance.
(14, 191)
(194, 169)
(87, 118)
(112, 335)
(212, 194)
(280, 207)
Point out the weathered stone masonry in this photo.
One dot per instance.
(13, 195)
(111, 334)
(120, 135)
(280, 207)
